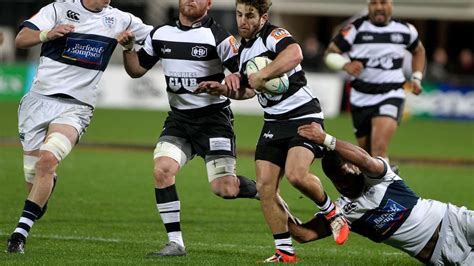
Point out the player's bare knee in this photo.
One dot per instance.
(266, 191)
(46, 164)
(296, 176)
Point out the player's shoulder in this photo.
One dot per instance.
(358, 22)
(164, 30)
(403, 24)
(274, 31)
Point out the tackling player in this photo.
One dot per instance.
(380, 206)
(77, 40)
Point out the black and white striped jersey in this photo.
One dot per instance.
(190, 55)
(298, 102)
(381, 49)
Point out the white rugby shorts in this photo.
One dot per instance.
(36, 112)
(456, 239)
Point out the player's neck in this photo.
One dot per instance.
(92, 5)
(190, 21)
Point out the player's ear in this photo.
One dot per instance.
(263, 19)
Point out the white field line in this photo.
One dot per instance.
(200, 244)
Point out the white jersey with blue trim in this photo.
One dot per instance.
(74, 64)
(389, 211)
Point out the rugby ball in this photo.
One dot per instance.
(274, 86)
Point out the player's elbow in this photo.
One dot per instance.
(134, 73)
(20, 43)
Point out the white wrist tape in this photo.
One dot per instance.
(329, 142)
(44, 36)
(417, 75)
(335, 61)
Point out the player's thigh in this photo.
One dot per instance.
(383, 128)
(298, 161)
(40, 116)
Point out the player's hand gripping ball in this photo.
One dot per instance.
(274, 86)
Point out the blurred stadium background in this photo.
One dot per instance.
(103, 211)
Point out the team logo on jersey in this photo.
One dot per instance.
(109, 22)
(280, 33)
(199, 51)
(349, 207)
(396, 38)
(73, 16)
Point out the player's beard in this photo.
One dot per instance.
(192, 12)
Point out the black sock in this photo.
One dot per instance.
(247, 188)
(169, 207)
(30, 213)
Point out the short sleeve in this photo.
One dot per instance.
(345, 38)
(45, 19)
(414, 40)
(278, 40)
(228, 51)
(140, 29)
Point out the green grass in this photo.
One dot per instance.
(103, 209)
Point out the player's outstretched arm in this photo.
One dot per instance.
(217, 88)
(350, 152)
(27, 37)
(130, 57)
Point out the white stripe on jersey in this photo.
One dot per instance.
(173, 34)
(193, 101)
(380, 76)
(176, 67)
(361, 99)
(301, 97)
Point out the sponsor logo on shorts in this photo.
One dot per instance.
(22, 136)
(268, 135)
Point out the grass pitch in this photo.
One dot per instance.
(103, 209)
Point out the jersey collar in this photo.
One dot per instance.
(205, 21)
